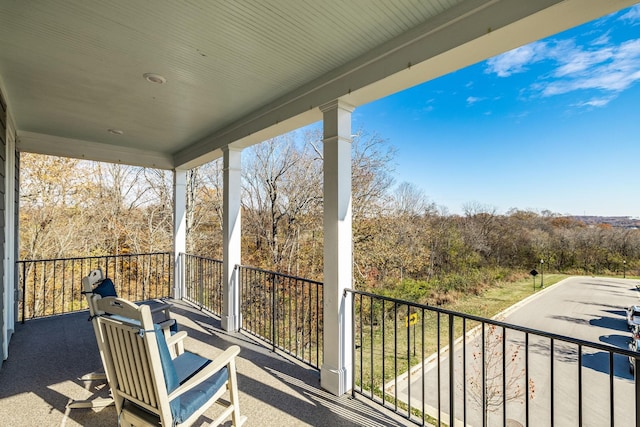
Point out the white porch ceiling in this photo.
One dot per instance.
(238, 72)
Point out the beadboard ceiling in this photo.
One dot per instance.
(237, 72)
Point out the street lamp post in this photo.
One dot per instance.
(624, 269)
(541, 274)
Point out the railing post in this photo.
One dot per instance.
(200, 283)
(395, 354)
(179, 272)
(237, 270)
(353, 334)
(637, 389)
(181, 276)
(484, 378)
(526, 375)
(452, 417)
(551, 388)
(612, 406)
(408, 326)
(273, 311)
(24, 290)
(464, 369)
(504, 376)
(580, 388)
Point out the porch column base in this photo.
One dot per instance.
(335, 381)
(231, 323)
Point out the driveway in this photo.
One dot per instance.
(587, 308)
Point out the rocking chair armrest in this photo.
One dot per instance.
(176, 338)
(160, 306)
(166, 324)
(212, 368)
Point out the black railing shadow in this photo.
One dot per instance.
(313, 406)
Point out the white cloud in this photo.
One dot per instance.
(597, 66)
(473, 99)
(603, 39)
(632, 15)
(579, 61)
(516, 60)
(611, 69)
(595, 102)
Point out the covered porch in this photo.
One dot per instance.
(175, 86)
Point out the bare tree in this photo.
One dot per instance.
(54, 205)
(409, 200)
(121, 193)
(371, 173)
(480, 224)
(204, 209)
(497, 375)
(282, 187)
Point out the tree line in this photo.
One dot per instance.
(404, 244)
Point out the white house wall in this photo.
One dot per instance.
(7, 321)
(10, 243)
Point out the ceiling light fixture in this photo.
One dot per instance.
(115, 131)
(154, 78)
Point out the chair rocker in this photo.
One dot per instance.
(150, 386)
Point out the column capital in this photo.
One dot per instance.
(231, 158)
(335, 104)
(231, 148)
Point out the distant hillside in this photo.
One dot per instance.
(614, 221)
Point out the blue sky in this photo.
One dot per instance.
(553, 125)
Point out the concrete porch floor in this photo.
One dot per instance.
(48, 356)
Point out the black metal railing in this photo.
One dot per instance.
(203, 282)
(54, 286)
(426, 364)
(285, 311)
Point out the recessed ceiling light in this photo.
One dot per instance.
(115, 131)
(154, 78)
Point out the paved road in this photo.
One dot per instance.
(591, 309)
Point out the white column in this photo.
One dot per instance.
(179, 229)
(337, 370)
(231, 238)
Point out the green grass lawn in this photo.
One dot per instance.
(501, 296)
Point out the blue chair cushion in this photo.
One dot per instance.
(105, 289)
(179, 370)
(184, 406)
(188, 364)
(170, 375)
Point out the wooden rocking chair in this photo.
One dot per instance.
(150, 386)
